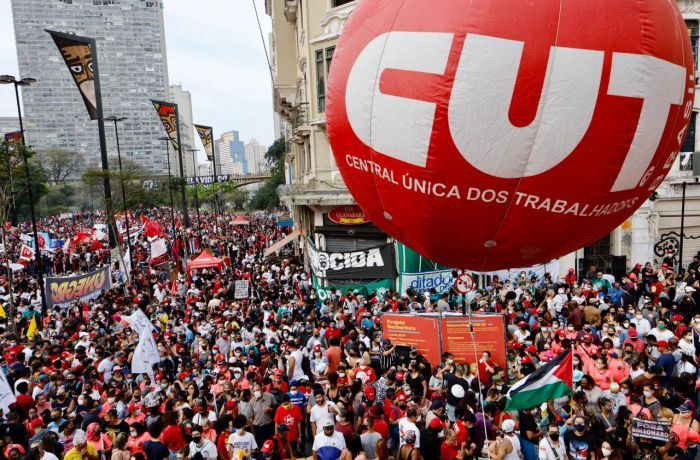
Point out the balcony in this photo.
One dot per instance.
(291, 9)
(299, 119)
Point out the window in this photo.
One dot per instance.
(694, 32)
(689, 142)
(335, 3)
(323, 66)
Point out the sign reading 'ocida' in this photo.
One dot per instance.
(494, 134)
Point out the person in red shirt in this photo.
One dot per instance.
(24, 401)
(289, 415)
(334, 354)
(332, 332)
(380, 425)
(173, 435)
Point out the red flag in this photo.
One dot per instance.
(96, 244)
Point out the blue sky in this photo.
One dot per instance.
(214, 51)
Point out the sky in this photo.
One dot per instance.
(214, 51)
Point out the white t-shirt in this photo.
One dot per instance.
(242, 446)
(198, 419)
(328, 447)
(49, 456)
(320, 413)
(405, 425)
(547, 450)
(208, 449)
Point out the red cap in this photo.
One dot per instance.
(230, 405)
(268, 446)
(526, 359)
(678, 318)
(516, 345)
(160, 376)
(632, 332)
(377, 320)
(401, 397)
(531, 349)
(279, 372)
(399, 376)
(662, 344)
(317, 347)
(561, 333)
(587, 337)
(133, 407)
(522, 324)
(436, 424)
(371, 393)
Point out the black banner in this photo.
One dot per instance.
(651, 429)
(168, 116)
(64, 291)
(371, 263)
(206, 134)
(77, 53)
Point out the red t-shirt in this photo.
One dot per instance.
(172, 437)
(290, 418)
(381, 427)
(462, 432)
(448, 451)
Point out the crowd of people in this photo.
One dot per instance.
(281, 374)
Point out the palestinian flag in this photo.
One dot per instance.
(553, 380)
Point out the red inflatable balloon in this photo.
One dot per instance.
(492, 134)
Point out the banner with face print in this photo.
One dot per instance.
(15, 136)
(77, 52)
(167, 112)
(206, 134)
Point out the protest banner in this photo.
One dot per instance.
(658, 430)
(489, 335)
(242, 289)
(420, 331)
(63, 291)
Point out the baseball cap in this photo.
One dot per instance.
(662, 344)
(436, 424)
(632, 332)
(508, 426)
(328, 422)
(268, 446)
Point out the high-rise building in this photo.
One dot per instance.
(133, 69)
(183, 99)
(231, 151)
(8, 125)
(255, 157)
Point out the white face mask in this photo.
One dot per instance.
(647, 394)
(258, 394)
(110, 400)
(606, 452)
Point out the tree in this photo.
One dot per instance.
(266, 197)
(59, 164)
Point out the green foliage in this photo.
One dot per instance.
(58, 164)
(266, 197)
(13, 176)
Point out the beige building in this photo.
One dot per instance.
(303, 40)
(183, 99)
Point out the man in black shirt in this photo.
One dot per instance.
(579, 443)
(113, 425)
(457, 387)
(154, 449)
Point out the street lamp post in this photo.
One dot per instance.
(196, 192)
(170, 185)
(6, 80)
(116, 121)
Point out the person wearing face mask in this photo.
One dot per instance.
(201, 445)
(661, 332)
(551, 448)
(578, 441)
(137, 437)
(262, 407)
(289, 415)
(607, 452)
(136, 414)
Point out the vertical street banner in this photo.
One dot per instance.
(489, 335)
(420, 331)
(77, 53)
(206, 134)
(7, 396)
(15, 136)
(66, 290)
(167, 112)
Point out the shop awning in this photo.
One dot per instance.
(282, 243)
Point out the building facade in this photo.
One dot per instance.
(231, 151)
(255, 157)
(302, 43)
(133, 69)
(183, 99)
(8, 125)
